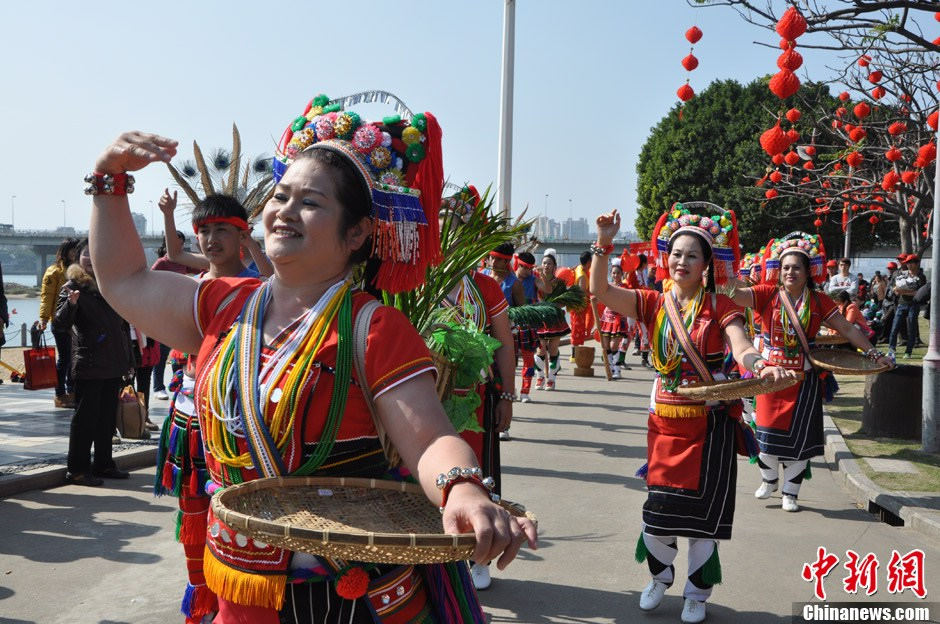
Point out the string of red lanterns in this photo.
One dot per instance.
(689, 63)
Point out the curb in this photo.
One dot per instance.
(867, 494)
(54, 476)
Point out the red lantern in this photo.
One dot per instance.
(838, 167)
(808, 165)
(774, 140)
(875, 77)
(690, 62)
(790, 59)
(840, 111)
(857, 134)
(776, 176)
(805, 180)
(685, 93)
(890, 180)
(864, 60)
(784, 84)
(770, 193)
(693, 35)
(793, 136)
(897, 128)
(777, 159)
(810, 150)
(854, 159)
(844, 96)
(932, 119)
(906, 97)
(936, 16)
(909, 177)
(877, 93)
(873, 219)
(818, 223)
(792, 158)
(793, 115)
(836, 124)
(862, 110)
(791, 25)
(894, 154)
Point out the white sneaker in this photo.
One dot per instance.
(693, 611)
(789, 503)
(504, 436)
(481, 576)
(615, 372)
(524, 397)
(652, 595)
(765, 490)
(161, 394)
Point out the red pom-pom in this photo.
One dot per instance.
(864, 60)
(862, 110)
(909, 177)
(818, 223)
(693, 35)
(793, 115)
(776, 176)
(841, 111)
(790, 59)
(690, 62)
(932, 119)
(844, 96)
(927, 153)
(770, 193)
(808, 165)
(777, 159)
(793, 136)
(878, 92)
(897, 128)
(792, 158)
(873, 219)
(894, 154)
(890, 180)
(875, 77)
(792, 24)
(854, 159)
(810, 150)
(774, 140)
(784, 84)
(857, 134)
(353, 583)
(685, 93)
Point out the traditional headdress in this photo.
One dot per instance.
(809, 245)
(751, 261)
(399, 159)
(462, 203)
(719, 230)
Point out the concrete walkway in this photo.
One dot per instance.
(107, 555)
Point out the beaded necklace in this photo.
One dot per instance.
(240, 406)
(667, 354)
(791, 344)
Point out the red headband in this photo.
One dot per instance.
(518, 262)
(238, 222)
(501, 256)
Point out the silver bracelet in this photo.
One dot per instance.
(508, 396)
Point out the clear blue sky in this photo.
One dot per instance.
(592, 78)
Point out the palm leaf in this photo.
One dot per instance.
(190, 192)
(236, 161)
(536, 314)
(207, 187)
(572, 297)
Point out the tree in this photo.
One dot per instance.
(711, 153)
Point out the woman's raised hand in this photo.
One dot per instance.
(607, 227)
(135, 150)
(499, 535)
(167, 202)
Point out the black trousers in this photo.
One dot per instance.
(63, 364)
(96, 402)
(142, 375)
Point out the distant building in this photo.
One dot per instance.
(575, 229)
(546, 229)
(140, 223)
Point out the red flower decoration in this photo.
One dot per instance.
(927, 153)
(818, 223)
(875, 77)
(873, 219)
(857, 134)
(784, 84)
(841, 111)
(793, 136)
(770, 193)
(776, 176)
(894, 154)
(897, 128)
(890, 180)
(693, 34)
(878, 92)
(810, 150)
(777, 159)
(844, 96)
(862, 110)
(792, 158)
(909, 177)
(685, 93)
(792, 24)
(793, 115)
(864, 60)
(690, 62)
(933, 118)
(353, 583)
(808, 165)
(854, 159)
(790, 59)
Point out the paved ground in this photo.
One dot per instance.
(106, 555)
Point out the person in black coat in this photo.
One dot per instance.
(101, 357)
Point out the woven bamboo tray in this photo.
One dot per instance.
(446, 372)
(845, 362)
(737, 389)
(830, 339)
(367, 520)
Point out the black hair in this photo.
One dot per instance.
(585, 258)
(218, 205)
(843, 296)
(65, 249)
(506, 249)
(706, 254)
(527, 257)
(80, 247)
(161, 250)
(804, 260)
(355, 196)
(554, 260)
(845, 261)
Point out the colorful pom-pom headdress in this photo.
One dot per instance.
(751, 261)
(462, 203)
(810, 245)
(717, 227)
(400, 161)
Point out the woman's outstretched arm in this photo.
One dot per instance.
(620, 300)
(158, 302)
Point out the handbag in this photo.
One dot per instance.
(40, 367)
(132, 414)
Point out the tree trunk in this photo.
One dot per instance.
(904, 225)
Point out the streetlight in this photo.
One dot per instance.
(546, 205)
(12, 211)
(153, 224)
(63, 212)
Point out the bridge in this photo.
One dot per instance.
(43, 244)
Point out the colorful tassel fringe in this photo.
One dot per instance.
(641, 551)
(260, 590)
(198, 601)
(711, 571)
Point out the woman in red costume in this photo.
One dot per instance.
(692, 469)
